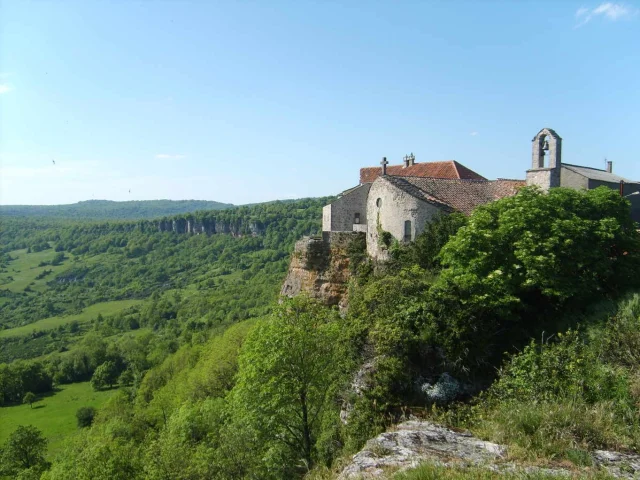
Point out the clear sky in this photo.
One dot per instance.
(252, 101)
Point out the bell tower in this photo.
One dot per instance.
(546, 159)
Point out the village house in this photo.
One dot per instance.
(402, 199)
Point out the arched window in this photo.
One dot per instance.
(407, 231)
(356, 218)
(379, 202)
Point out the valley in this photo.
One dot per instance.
(168, 332)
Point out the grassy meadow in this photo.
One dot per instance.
(54, 415)
(92, 311)
(23, 270)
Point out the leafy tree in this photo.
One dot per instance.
(94, 454)
(522, 260)
(85, 416)
(126, 377)
(58, 258)
(25, 449)
(104, 376)
(287, 365)
(29, 398)
(426, 248)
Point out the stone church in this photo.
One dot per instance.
(402, 199)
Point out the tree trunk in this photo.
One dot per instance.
(306, 431)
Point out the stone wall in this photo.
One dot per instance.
(339, 215)
(396, 207)
(544, 178)
(571, 179)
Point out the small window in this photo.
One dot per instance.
(356, 218)
(407, 231)
(379, 202)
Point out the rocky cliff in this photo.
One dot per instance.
(320, 267)
(210, 226)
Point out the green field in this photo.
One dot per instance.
(23, 270)
(55, 415)
(105, 308)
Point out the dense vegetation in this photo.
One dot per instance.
(106, 209)
(281, 391)
(81, 285)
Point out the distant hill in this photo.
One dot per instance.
(107, 209)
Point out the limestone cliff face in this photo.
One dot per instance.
(210, 226)
(320, 268)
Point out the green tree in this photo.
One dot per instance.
(58, 258)
(286, 368)
(25, 449)
(85, 416)
(126, 377)
(426, 249)
(29, 398)
(521, 262)
(104, 376)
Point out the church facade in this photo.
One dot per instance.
(403, 199)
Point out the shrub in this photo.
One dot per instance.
(85, 416)
(29, 398)
(568, 368)
(621, 340)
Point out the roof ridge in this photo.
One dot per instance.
(440, 179)
(418, 163)
(456, 165)
(584, 166)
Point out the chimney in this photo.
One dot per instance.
(384, 164)
(609, 166)
(409, 160)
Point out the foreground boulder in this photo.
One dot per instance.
(414, 442)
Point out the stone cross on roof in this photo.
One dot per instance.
(384, 164)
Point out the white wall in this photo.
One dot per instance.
(339, 215)
(396, 207)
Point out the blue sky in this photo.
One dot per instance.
(253, 101)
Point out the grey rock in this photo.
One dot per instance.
(414, 442)
(359, 385)
(444, 390)
(620, 465)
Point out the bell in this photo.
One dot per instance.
(545, 147)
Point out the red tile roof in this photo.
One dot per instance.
(445, 169)
(463, 195)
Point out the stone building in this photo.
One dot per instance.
(403, 199)
(548, 171)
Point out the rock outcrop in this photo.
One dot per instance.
(210, 226)
(320, 268)
(414, 442)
